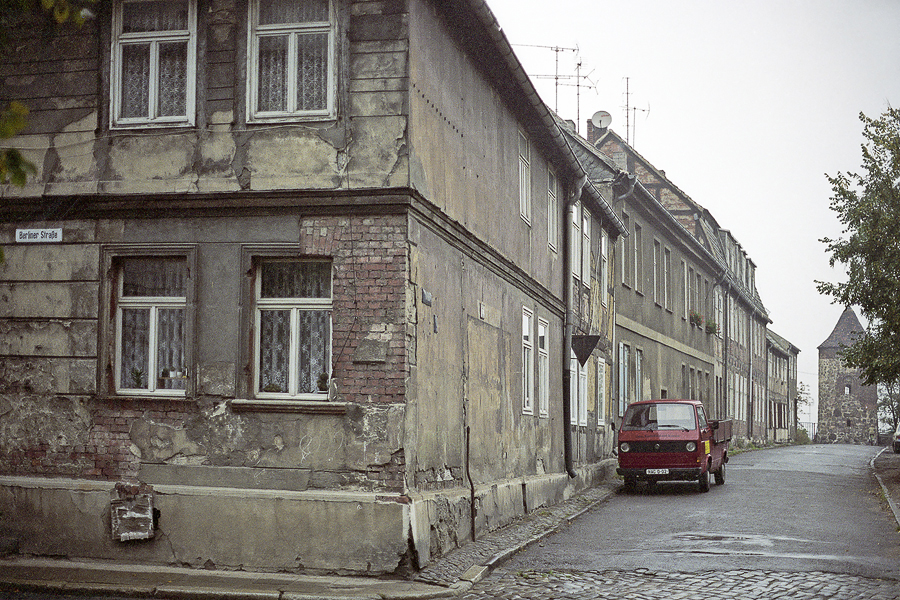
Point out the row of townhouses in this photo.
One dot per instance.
(324, 286)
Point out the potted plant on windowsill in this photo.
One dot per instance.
(712, 327)
(696, 319)
(322, 383)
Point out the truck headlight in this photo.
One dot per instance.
(690, 446)
(624, 447)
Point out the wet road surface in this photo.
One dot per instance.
(800, 522)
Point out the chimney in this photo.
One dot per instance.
(594, 133)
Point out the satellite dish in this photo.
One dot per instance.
(601, 119)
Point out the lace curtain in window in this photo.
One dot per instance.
(140, 17)
(296, 280)
(170, 79)
(313, 337)
(152, 322)
(135, 346)
(294, 337)
(135, 80)
(276, 12)
(161, 277)
(312, 72)
(297, 45)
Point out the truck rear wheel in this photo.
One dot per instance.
(703, 481)
(720, 475)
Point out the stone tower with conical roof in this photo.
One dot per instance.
(847, 409)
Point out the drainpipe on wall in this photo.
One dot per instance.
(569, 324)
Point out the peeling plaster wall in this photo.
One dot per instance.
(288, 532)
(59, 420)
(464, 152)
(51, 321)
(76, 152)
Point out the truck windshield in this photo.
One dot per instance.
(659, 416)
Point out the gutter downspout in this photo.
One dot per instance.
(569, 324)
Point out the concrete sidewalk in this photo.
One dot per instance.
(886, 468)
(450, 576)
(142, 581)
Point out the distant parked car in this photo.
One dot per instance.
(896, 440)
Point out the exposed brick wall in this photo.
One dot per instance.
(47, 432)
(101, 448)
(370, 276)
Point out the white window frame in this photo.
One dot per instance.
(624, 351)
(720, 313)
(293, 30)
(577, 391)
(585, 247)
(552, 210)
(543, 368)
(582, 394)
(576, 242)
(524, 146)
(601, 393)
(604, 267)
(154, 304)
(295, 305)
(625, 244)
(657, 275)
(154, 39)
(667, 278)
(527, 361)
(638, 258)
(638, 374)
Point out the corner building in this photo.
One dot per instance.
(313, 299)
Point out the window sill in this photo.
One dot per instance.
(154, 125)
(264, 119)
(292, 406)
(120, 396)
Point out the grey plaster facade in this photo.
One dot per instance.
(687, 296)
(409, 191)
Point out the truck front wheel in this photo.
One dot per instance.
(703, 481)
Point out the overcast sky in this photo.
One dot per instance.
(745, 105)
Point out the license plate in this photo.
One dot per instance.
(657, 471)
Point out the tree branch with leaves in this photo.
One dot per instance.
(868, 206)
(15, 168)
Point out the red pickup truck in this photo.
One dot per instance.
(672, 440)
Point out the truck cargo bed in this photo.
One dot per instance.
(722, 433)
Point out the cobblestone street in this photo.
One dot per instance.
(649, 585)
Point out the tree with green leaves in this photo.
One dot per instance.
(889, 405)
(15, 168)
(868, 206)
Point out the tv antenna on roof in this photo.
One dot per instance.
(629, 133)
(557, 77)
